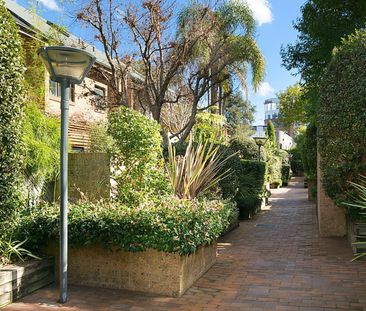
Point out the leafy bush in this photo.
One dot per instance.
(230, 186)
(274, 171)
(246, 149)
(172, 225)
(251, 187)
(209, 127)
(137, 158)
(100, 140)
(197, 171)
(309, 152)
(296, 161)
(341, 117)
(11, 114)
(286, 174)
(41, 136)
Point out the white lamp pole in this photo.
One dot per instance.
(66, 66)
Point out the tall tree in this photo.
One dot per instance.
(239, 112)
(292, 106)
(321, 27)
(227, 52)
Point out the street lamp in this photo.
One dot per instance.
(260, 141)
(67, 66)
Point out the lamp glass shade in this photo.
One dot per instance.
(260, 141)
(66, 63)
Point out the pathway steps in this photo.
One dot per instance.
(275, 261)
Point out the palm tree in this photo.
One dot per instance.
(230, 48)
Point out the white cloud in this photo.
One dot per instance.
(265, 89)
(51, 4)
(261, 11)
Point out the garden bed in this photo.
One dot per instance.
(356, 232)
(149, 271)
(20, 279)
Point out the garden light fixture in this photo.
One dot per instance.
(260, 141)
(67, 66)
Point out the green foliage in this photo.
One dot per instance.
(100, 140)
(286, 174)
(274, 171)
(171, 225)
(41, 136)
(271, 134)
(239, 113)
(13, 251)
(197, 171)
(11, 114)
(296, 161)
(356, 204)
(209, 127)
(246, 149)
(321, 27)
(251, 187)
(136, 156)
(341, 117)
(229, 186)
(292, 106)
(309, 151)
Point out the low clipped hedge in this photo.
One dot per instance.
(172, 225)
(251, 187)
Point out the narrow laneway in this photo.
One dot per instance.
(273, 262)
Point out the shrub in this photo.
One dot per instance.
(137, 158)
(296, 161)
(286, 174)
(209, 127)
(197, 171)
(229, 186)
(309, 156)
(172, 225)
(251, 187)
(274, 171)
(11, 114)
(246, 149)
(341, 117)
(41, 136)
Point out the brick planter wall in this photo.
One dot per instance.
(23, 278)
(148, 271)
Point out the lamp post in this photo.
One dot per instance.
(66, 66)
(260, 141)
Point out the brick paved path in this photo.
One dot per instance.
(274, 262)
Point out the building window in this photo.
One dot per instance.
(99, 97)
(55, 90)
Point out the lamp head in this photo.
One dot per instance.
(66, 63)
(260, 140)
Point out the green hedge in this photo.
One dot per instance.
(171, 225)
(342, 117)
(251, 187)
(286, 174)
(11, 114)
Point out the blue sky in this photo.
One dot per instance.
(274, 19)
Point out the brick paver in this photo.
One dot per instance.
(274, 262)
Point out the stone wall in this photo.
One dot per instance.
(331, 218)
(21, 279)
(89, 176)
(148, 271)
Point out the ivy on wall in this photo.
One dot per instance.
(11, 113)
